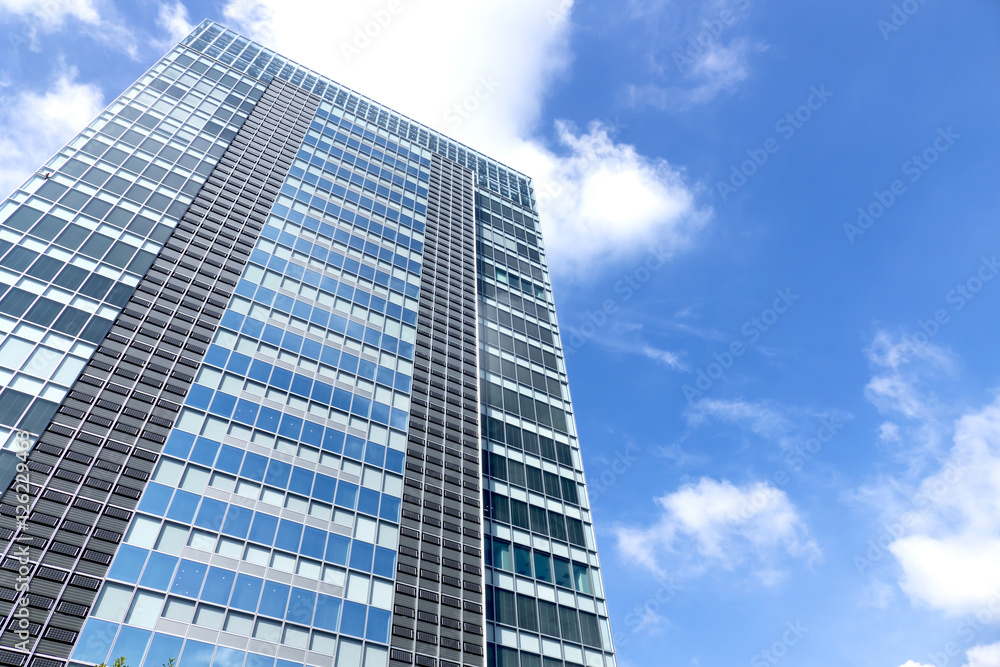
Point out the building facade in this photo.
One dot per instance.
(282, 385)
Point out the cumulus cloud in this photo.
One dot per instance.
(948, 558)
(983, 656)
(599, 198)
(35, 123)
(713, 523)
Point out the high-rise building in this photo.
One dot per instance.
(282, 385)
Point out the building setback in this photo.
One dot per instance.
(281, 384)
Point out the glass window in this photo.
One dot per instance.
(582, 578)
(179, 610)
(143, 532)
(145, 609)
(562, 572)
(548, 618)
(269, 631)
(113, 602)
(543, 567)
(522, 561)
(172, 539)
(210, 617)
(501, 555)
(239, 624)
(568, 624)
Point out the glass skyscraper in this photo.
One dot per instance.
(281, 384)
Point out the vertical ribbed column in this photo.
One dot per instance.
(438, 615)
(90, 465)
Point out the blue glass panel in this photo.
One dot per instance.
(199, 396)
(366, 369)
(228, 657)
(155, 499)
(159, 571)
(229, 459)
(291, 426)
(216, 355)
(277, 474)
(311, 348)
(385, 562)
(394, 460)
(179, 444)
(254, 466)
(361, 406)
(312, 433)
(264, 527)
(196, 653)
(384, 376)
(336, 548)
(341, 399)
(354, 447)
(289, 534)
(246, 592)
(218, 585)
(274, 599)
(188, 579)
(260, 370)
(324, 487)
(252, 328)
(361, 555)
(238, 363)
(399, 417)
(128, 563)
(301, 481)
(347, 494)
(162, 648)
(246, 412)
(313, 542)
(389, 509)
(301, 385)
(327, 612)
(333, 440)
(330, 356)
(353, 621)
(204, 451)
(368, 501)
(349, 363)
(223, 404)
(322, 392)
(271, 334)
(211, 514)
(375, 453)
(268, 419)
(183, 506)
(131, 644)
(237, 521)
(94, 643)
(378, 625)
(281, 378)
(300, 606)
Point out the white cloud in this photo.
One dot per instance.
(760, 417)
(34, 124)
(948, 558)
(910, 663)
(983, 656)
(98, 18)
(450, 65)
(715, 523)
(173, 19)
(877, 595)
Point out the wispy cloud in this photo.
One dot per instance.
(718, 524)
(34, 123)
(173, 19)
(98, 18)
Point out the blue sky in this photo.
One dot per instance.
(773, 237)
